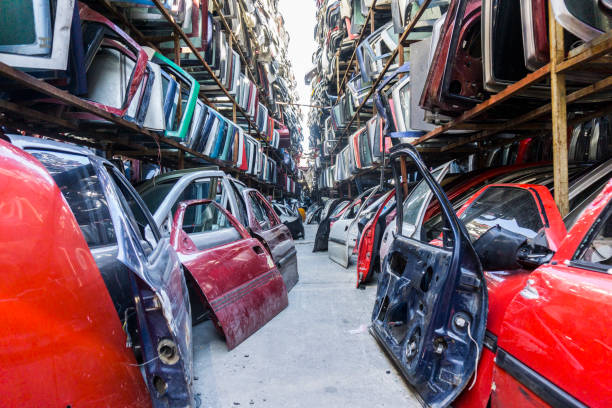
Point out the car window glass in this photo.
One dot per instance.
(242, 211)
(105, 60)
(78, 181)
(277, 210)
(352, 211)
(597, 250)
(423, 200)
(204, 218)
(196, 190)
(136, 214)
(155, 195)
(511, 208)
(577, 211)
(219, 194)
(270, 218)
(180, 104)
(413, 205)
(257, 210)
(339, 208)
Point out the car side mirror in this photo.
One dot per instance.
(499, 249)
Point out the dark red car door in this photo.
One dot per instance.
(236, 274)
(555, 344)
(268, 228)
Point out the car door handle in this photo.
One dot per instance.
(258, 250)
(345, 227)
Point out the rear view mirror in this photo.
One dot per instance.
(498, 249)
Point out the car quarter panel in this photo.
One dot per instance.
(58, 320)
(558, 324)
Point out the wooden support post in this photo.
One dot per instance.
(349, 189)
(177, 49)
(372, 25)
(338, 72)
(181, 160)
(234, 114)
(559, 115)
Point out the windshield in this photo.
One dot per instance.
(511, 208)
(78, 181)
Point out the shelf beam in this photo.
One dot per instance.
(394, 54)
(369, 19)
(193, 49)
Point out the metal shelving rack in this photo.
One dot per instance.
(121, 137)
(590, 56)
(396, 52)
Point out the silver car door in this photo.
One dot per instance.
(353, 229)
(337, 240)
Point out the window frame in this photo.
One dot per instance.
(534, 197)
(605, 216)
(118, 180)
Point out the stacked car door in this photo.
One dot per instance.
(235, 273)
(268, 228)
(343, 234)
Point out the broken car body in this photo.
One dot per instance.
(139, 267)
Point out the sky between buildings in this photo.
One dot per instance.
(300, 19)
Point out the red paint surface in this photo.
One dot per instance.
(366, 243)
(465, 69)
(239, 279)
(508, 393)
(562, 332)
(61, 341)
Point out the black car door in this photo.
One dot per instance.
(431, 304)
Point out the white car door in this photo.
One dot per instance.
(339, 232)
(336, 245)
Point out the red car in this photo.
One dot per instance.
(459, 190)
(366, 262)
(368, 256)
(539, 307)
(547, 339)
(60, 348)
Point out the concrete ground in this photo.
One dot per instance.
(316, 353)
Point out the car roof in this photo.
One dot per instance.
(29, 142)
(210, 171)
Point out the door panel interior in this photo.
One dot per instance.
(431, 304)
